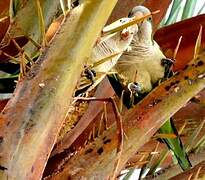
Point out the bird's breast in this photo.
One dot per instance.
(145, 62)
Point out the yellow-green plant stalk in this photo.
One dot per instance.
(31, 120)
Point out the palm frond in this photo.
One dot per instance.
(189, 8)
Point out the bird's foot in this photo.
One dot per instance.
(167, 64)
(90, 74)
(134, 88)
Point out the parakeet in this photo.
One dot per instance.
(140, 69)
(142, 64)
(114, 43)
(106, 53)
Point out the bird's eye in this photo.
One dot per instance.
(130, 14)
(75, 3)
(150, 19)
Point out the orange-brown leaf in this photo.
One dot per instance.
(4, 8)
(168, 37)
(3, 104)
(11, 49)
(4, 25)
(53, 28)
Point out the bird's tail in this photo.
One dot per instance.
(175, 145)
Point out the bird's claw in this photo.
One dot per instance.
(167, 64)
(134, 88)
(90, 74)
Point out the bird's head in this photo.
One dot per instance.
(144, 28)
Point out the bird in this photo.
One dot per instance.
(139, 70)
(142, 64)
(117, 42)
(106, 52)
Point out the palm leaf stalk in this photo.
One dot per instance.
(39, 99)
